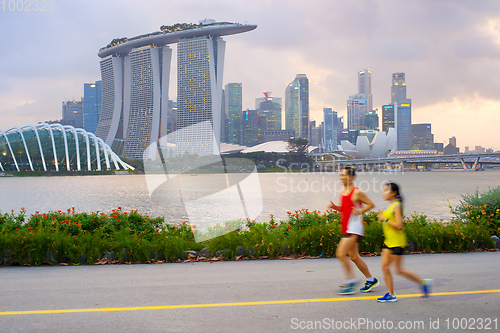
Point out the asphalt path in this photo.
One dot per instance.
(250, 296)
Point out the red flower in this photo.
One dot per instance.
(119, 207)
(53, 217)
(102, 225)
(30, 227)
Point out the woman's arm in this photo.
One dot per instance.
(398, 213)
(331, 205)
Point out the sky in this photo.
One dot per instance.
(448, 49)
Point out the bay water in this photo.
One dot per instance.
(430, 192)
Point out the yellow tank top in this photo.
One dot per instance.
(393, 236)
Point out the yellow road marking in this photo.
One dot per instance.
(212, 305)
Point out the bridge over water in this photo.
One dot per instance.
(469, 162)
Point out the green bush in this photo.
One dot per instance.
(84, 238)
(480, 208)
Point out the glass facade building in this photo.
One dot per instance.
(233, 110)
(387, 117)
(72, 113)
(297, 106)
(55, 147)
(365, 86)
(402, 121)
(199, 95)
(92, 97)
(357, 108)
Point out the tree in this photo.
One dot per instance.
(298, 146)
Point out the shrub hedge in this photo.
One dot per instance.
(85, 238)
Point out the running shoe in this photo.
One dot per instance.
(347, 289)
(369, 286)
(426, 287)
(387, 298)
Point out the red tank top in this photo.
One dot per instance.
(346, 211)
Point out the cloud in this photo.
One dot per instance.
(449, 50)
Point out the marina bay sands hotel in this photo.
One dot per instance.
(135, 76)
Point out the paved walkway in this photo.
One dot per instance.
(249, 296)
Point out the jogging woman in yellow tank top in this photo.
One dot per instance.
(395, 244)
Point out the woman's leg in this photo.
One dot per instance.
(387, 260)
(408, 274)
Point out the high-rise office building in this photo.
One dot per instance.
(402, 123)
(72, 113)
(402, 111)
(92, 96)
(371, 120)
(135, 82)
(398, 88)
(422, 137)
(253, 125)
(233, 112)
(331, 129)
(357, 107)
(297, 106)
(387, 117)
(365, 86)
(271, 108)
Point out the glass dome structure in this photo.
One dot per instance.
(55, 147)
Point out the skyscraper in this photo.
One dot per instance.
(387, 117)
(402, 122)
(365, 86)
(234, 109)
(92, 96)
(371, 120)
(423, 138)
(199, 94)
(253, 125)
(357, 107)
(398, 88)
(297, 106)
(270, 107)
(331, 129)
(135, 80)
(402, 111)
(72, 113)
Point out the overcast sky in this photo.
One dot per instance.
(449, 51)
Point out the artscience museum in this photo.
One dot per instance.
(380, 146)
(55, 147)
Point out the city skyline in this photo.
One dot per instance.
(447, 49)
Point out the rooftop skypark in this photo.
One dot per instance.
(169, 29)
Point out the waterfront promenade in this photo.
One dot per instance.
(246, 296)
